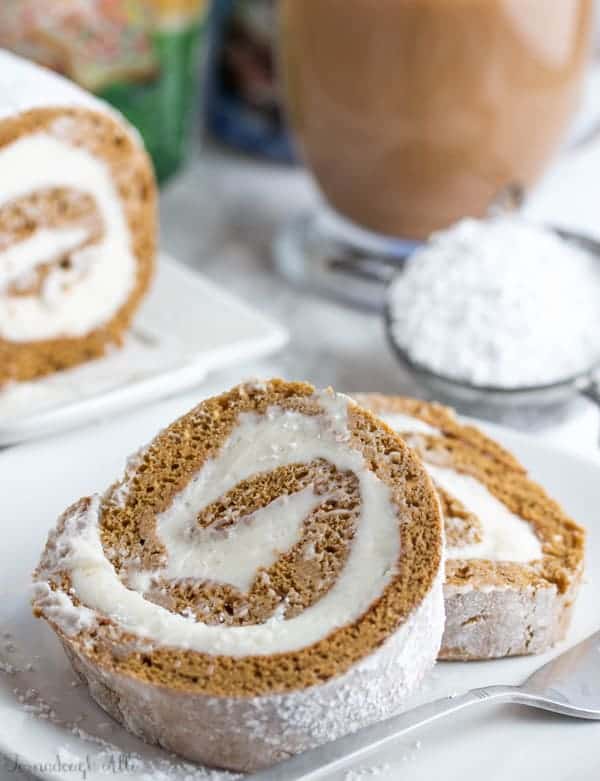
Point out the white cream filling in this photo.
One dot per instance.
(505, 536)
(259, 443)
(19, 260)
(235, 554)
(403, 423)
(69, 308)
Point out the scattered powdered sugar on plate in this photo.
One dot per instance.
(11, 662)
(409, 754)
(364, 773)
(168, 769)
(499, 302)
(92, 754)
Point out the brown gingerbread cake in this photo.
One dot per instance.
(266, 576)
(514, 558)
(77, 223)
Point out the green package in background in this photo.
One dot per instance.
(140, 55)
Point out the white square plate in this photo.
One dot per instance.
(186, 327)
(48, 723)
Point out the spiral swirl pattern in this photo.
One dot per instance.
(77, 223)
(271, 540)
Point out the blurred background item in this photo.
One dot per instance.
(408, 127)
(140, 55)
(243, 98)
(413, 115)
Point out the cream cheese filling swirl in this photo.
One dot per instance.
(505, 536)
(77, 298)
(259, 443)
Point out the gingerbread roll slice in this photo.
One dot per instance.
(77, 223)
(514, 557)
(265, 577)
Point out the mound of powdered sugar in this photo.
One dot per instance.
(499, 302)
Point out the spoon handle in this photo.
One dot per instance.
(333, 756)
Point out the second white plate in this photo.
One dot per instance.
(187, 327)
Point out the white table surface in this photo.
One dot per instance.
(219, 217)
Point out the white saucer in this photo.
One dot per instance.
(492, 742)
(186, 327)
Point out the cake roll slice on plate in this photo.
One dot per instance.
(266, 576)
(77, 223)
(514, 558)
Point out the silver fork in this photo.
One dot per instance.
(569, 685)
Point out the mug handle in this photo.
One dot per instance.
(589, 388)
(586, 137)
(512, 197)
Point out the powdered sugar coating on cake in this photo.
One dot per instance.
(344, 613)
